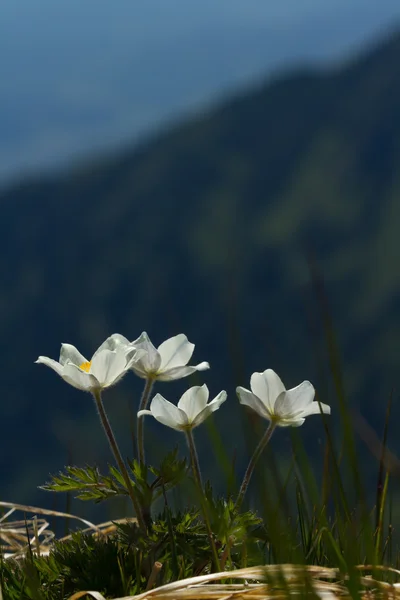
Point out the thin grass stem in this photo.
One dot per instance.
(117, 455)
(253, 461)
(144, 401)
(199, 483)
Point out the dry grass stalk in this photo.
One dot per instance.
(272, 582)
(33, 532)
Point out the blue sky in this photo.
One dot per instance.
(83, 75)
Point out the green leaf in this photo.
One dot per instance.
(88, 482)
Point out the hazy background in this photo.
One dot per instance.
(203, 152)
(77, 76)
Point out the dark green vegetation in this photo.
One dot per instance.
(301, 522)
(206, 229)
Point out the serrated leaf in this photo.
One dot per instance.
(88, 481)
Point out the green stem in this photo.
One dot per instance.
(197, 476)
(117, 455)
(253, 461)
(144, 400)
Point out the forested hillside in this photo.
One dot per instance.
(206, 230)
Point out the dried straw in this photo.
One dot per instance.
(272, 582)
(16, 537)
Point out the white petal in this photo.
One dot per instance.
(111, 343)
(49, 362)
(249, 399)
(133, 356)
(167, 413)
(293, 402)
(291, 423)
(314, 409)
(297, 423)
(193, 401)
(139, 369)
(108, 366)
(150, 363)
(175, 352)
(267, 386)
(180, 372)
(142, 413)
(203, 366)
(79, 379)
(210, 408)
(69, 353)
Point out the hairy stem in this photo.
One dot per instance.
(117, 455)
(144, 400)
(253, 461)
(194, 459)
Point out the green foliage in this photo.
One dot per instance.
(304, 520)
(122, 562)
(83, 562)
(226, 522)
(171, 471)
(118, 565)
(88, 482)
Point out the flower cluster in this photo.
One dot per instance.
(117, 355)
(268, 397)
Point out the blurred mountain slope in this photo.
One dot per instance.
(80, 77)
(205, 229)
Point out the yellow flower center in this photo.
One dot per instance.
(86, 366)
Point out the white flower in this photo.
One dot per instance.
(192, 408)
(168, 361)
(270, 399)
(109, 363)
